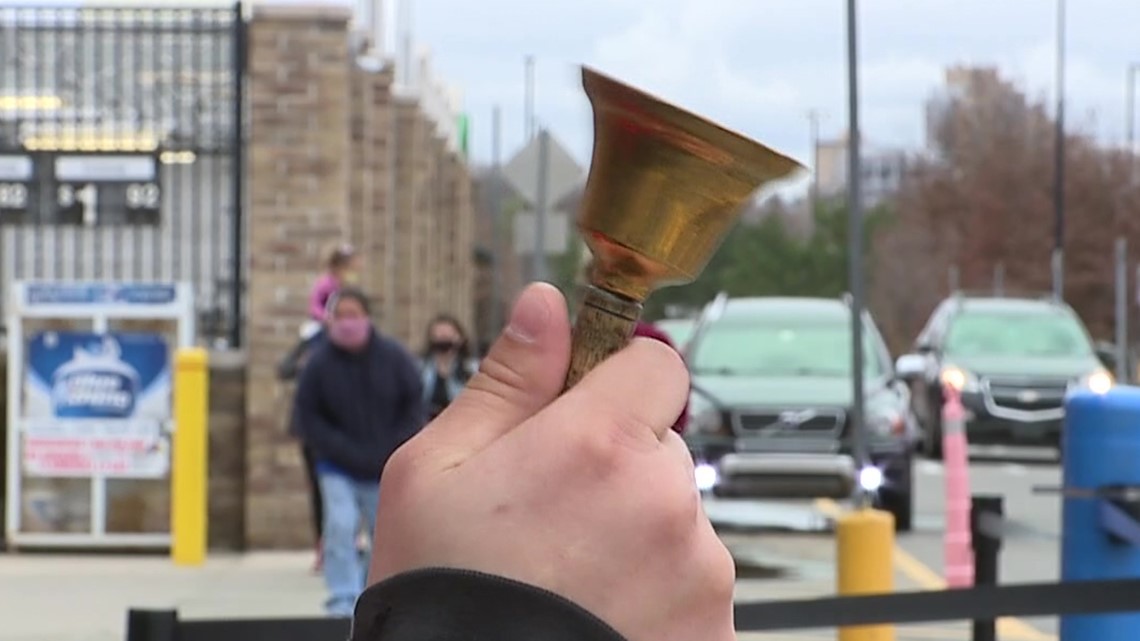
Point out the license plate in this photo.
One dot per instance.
(786, 445)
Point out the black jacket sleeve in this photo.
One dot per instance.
(459, 605)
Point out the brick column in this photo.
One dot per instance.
(400, 321)
(369, 209)
(298, 174)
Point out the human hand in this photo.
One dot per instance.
(589, 495)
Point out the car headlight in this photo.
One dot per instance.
(959, 379)
(1099, 381)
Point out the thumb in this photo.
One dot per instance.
(523, 372)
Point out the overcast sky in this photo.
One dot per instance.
(759, 66)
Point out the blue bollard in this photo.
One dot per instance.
(1101, 445)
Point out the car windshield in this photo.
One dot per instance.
(1024, 334)
(677, 329)
(792, 347)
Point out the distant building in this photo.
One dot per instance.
(882, 169)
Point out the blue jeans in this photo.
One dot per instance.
(349, 506)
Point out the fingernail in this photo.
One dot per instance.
(529, 316)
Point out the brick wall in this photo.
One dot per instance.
(298, 177)
(335, 156)
(227, 451)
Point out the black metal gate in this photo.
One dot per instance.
(120, 150)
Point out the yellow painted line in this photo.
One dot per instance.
(1008, 628)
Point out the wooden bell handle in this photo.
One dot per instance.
(603, 326)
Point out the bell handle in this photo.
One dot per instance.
(603, 325)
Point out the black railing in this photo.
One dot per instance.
(982, 604)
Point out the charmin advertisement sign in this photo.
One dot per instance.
(97, 405)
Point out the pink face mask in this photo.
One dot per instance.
(350, 333)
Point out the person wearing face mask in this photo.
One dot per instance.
(358, 399)
(341, 269)
(447, 363)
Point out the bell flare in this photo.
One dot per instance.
(665, 187)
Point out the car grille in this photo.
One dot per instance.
(792, 422)
(1030, 395)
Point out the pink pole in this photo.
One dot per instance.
(958, 555)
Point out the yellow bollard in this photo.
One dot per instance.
(189, 458)
(865, 544)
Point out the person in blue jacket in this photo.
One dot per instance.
(358, 399)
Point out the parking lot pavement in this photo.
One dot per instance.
(86, 598)
(785, 552)
(788, 535)
(774, 565)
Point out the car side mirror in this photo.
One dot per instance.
(1106, 352)
(910, 366)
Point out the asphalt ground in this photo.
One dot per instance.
(791, 542)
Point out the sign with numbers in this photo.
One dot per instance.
(18, 188)
(107, 189)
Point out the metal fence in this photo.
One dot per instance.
(120, 150)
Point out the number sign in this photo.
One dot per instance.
(17, 186)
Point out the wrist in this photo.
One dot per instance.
(453, 603)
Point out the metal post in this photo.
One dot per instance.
(405, 22)
(985, 534)
(813, 121)
(496, 222)
(1122, 309)
(528, 100)
(1130, 114)
(237, 175)
(855, 244)
(540, 206)
(952, 279)
(999, 279)
(152, 625)
(1059, 163)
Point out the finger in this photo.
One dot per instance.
(522, 373)
(636, 395)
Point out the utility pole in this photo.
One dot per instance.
(496, 223)
(1130, 115)
(813, 121)
(855, 244)
(528, 100)
(1059, 163)
(540, 267)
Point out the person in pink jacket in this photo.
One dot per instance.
(649, 330)
(340, 270)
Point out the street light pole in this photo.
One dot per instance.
(1059, 163)
(1130, 115)
(496, 222)
(855, 244)
(528, 100)
(813, 121)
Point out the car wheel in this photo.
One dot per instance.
(932, 429)
(932, 439)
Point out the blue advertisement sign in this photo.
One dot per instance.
(96, 404)
(100, 293)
